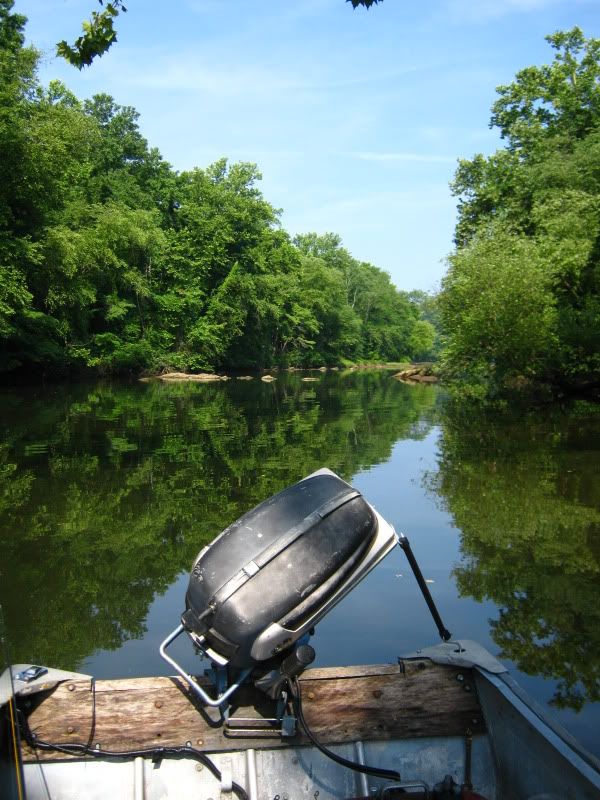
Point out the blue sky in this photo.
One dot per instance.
(355, 118)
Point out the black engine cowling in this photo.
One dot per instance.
(274, 572)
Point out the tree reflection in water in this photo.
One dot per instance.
(524, 491)
(108, 492)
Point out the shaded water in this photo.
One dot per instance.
(108, 491)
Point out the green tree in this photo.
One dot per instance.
(17, 82)
(425, 342)
(521, 294)
(221, 244)
(422, 340)
(557, 100)
(541, 115)
(112, 261)
(501, 317)
(372, 304)
(98, 36)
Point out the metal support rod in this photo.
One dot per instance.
(467, 783)
(251, 777)
(405, 545)
(362, 778)
(213, 702)
(139, 792)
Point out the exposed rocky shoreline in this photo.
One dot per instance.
(416, 373)
(419, 373)
(174, 377)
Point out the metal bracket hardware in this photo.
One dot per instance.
(214, 702)
(260, 727)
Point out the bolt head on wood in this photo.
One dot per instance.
(70, 729)
(158, 704)
(378, 693)
(311, 695)
(71, 687)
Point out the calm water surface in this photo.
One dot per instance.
(108, 491)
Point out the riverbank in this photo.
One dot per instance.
(414, 371)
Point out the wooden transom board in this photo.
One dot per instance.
(341, 704)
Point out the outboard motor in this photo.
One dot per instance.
(258, 590)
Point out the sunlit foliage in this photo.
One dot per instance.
(520, 303)
(112, 261)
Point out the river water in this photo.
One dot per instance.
(109, 490)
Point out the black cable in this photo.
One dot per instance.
(378, 772)
(75, 748)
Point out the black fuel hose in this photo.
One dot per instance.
(377, 772)
(75, 748)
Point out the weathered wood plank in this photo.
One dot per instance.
(363, 670)
(340, 704)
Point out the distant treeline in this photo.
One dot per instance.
(520, 304)
(111, 260)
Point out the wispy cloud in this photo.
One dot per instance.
(353, 211)
(405, 232)
(242, 75)
(487, 10)
(189, 74)
(425, 158)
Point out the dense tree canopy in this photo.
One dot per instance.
(111, 260)
(521, 298)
